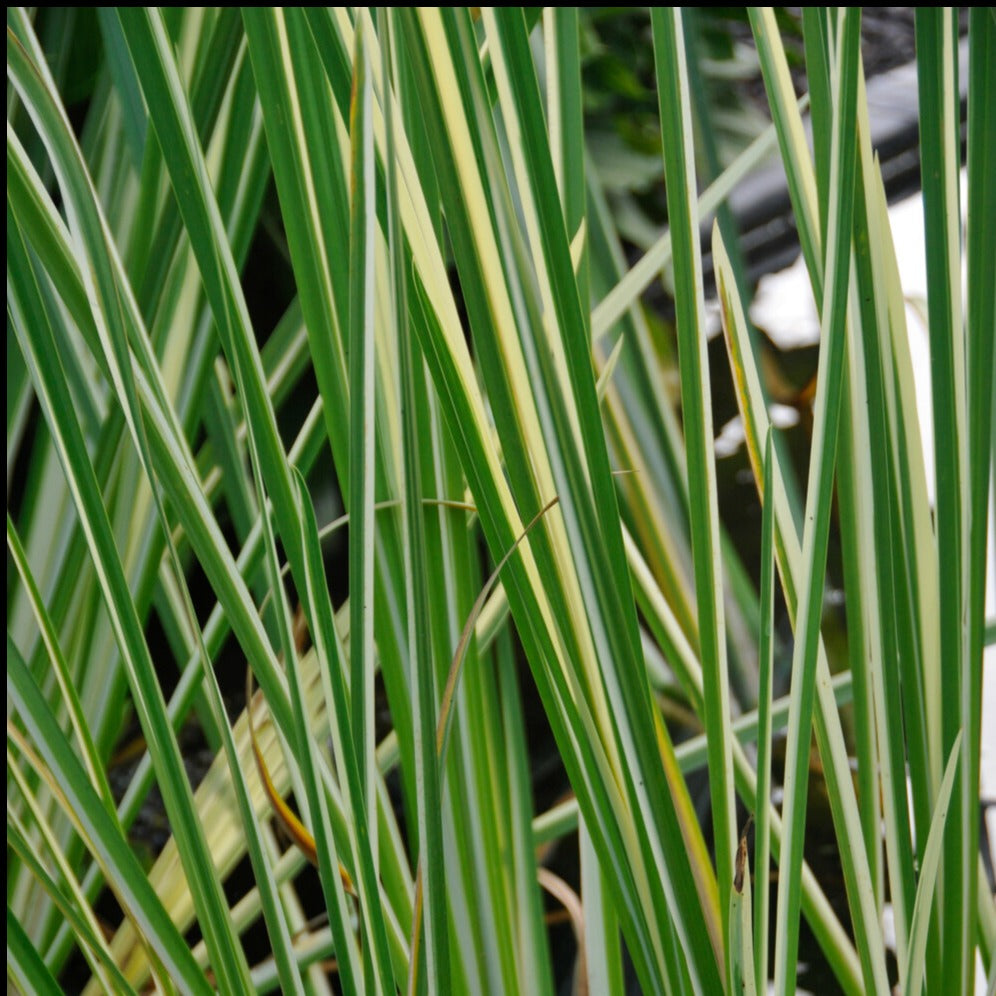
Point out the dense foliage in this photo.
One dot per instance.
(262, 263)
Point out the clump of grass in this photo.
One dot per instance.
(463, 349)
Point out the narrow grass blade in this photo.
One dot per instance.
(937, 76)
(676, 128)
(565, 110)
(818, 497)
(818, 38)
(429, 804)
(929, 868)
(362, 275)
(762, 820)
(893, 665)
(603, 961)
(980, 253)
